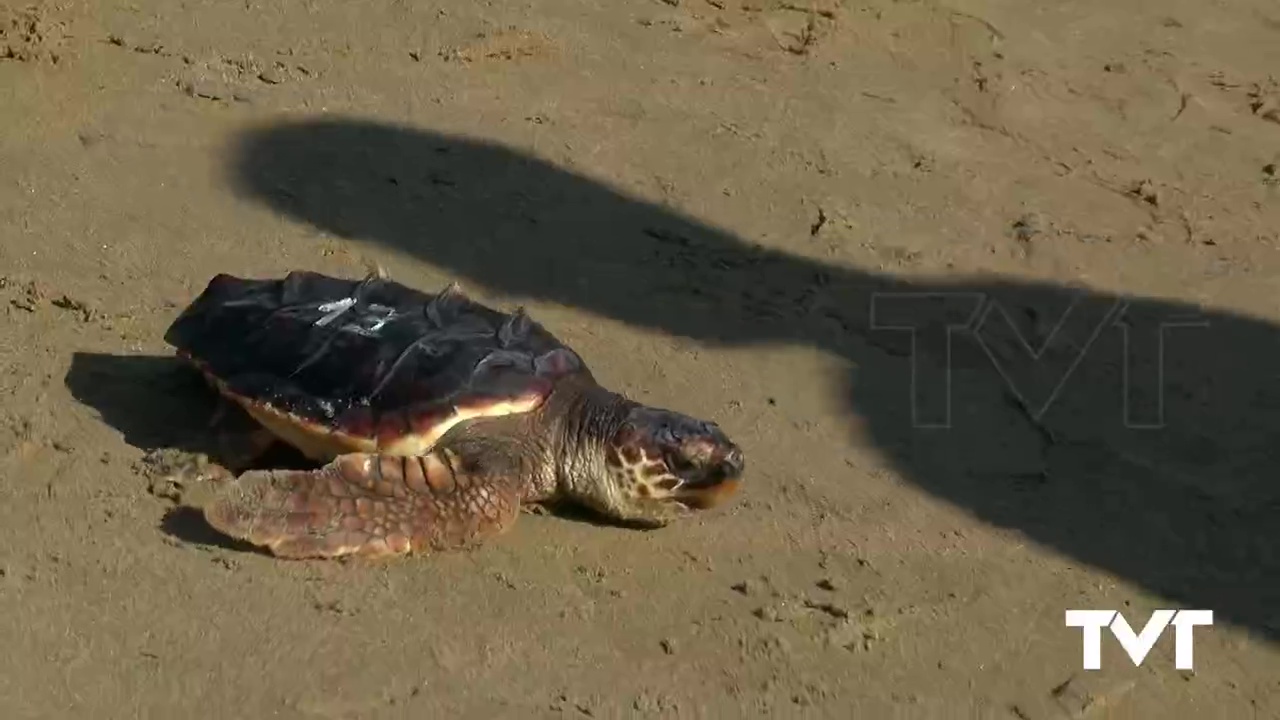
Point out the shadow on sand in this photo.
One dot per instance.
(161, 404)
(1054, 447)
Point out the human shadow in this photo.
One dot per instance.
(1148, 456)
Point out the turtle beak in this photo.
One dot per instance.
(713, 483)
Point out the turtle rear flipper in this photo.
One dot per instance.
(365, 504)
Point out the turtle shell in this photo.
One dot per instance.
(334, 365)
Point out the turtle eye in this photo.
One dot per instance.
(666, 436)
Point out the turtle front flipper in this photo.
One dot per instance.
(366, 505)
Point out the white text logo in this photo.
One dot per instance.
(1138, 645)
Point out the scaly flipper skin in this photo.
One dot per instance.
(366, 505)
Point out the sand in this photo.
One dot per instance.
(738, 209)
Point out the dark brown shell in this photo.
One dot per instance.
(366, 358)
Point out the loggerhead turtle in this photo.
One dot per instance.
(433, 419)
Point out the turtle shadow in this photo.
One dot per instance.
(1127, 432)
(573, 512)
(188, 526)
(155, 402)
(160, 403)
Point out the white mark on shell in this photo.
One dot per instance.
(335, 310)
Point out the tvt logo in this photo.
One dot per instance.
(931, 319)
(1138, 645)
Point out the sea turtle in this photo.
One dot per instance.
(432, 420)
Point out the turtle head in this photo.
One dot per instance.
(661, 465)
